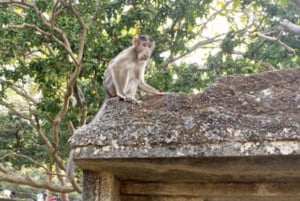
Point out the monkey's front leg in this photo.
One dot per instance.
(132, 100)
(130, 90)
(129, 99)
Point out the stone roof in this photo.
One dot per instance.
(254, 115)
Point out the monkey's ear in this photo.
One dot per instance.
(135, 41)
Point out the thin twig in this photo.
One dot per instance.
(278, 41)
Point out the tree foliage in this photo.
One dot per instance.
(53, 55)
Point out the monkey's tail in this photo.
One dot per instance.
(71, 164)
(102, 108)
(70, 167)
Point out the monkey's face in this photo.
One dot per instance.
(144, 50)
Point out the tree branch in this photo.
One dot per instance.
(52, 149)
(65, 44)
(297, 2)
(2, 169)
(27, 158)
(288, 26)
(278, 41)
(74, 11)
(75, 74)
(199, 44)
(14, 110)
(11, 178)
(94, 16)
(193, 48)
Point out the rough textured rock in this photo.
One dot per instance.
(239, 140)
(255, 115)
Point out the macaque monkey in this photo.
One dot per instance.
(123, 77)
(125, 73)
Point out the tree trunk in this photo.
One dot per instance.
(290, 27)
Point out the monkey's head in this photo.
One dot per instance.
(144, 46)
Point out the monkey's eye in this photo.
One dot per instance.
(147, 45)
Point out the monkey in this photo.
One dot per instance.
(123, 76)
(125, 73)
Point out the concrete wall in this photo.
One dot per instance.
(239, 140)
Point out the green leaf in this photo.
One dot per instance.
(236, 4)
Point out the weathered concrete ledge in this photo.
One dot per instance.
(237, 116)
(242, 129)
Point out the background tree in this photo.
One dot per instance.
(53, 55)
(276, 43)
